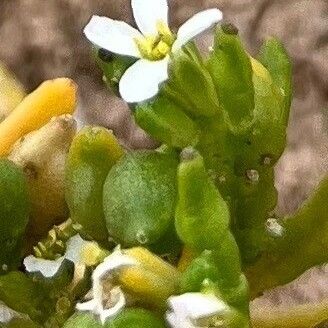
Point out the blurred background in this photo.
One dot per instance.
(43, 39)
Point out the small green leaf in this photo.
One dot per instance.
(83, 320)
(200, 271)
(231, 71)
(190, 84)
(274, 57)
(165, 121)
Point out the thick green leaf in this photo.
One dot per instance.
(128, 318)
(190, 83)
(166, 122)
(302, 245)
(92, 154)
(14, 211)
(231, 71)
(19, 323)
(24, 295)
(274, 57)
(139, 197)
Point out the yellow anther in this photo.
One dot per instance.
(156, 47)
(161, 50)
(166, 35)
(93, 254)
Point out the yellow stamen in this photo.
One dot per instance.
(156, 47)
(166, 35)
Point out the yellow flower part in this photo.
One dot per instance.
(152, 281)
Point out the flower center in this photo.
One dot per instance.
(156, 47)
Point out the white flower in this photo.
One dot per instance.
(107, 302)
(49, 268)
(152, 45)
(192, 310)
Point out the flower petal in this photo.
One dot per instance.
(187, 309)
(141, 81)
(115, 36)
(196, 25)
(147, 13)
(49, 268)
(115, 298)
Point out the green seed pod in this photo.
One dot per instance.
(14, 211)
(92, 154)
(139, 197)
(165, 121)
(231, 70)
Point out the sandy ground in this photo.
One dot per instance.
(42, 39)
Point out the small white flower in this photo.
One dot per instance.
(49, 268)
(192, 310)
(107, 302)
(152, 45)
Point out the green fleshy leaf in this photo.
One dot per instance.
(139, 197)
(83, 320)
(128, 318)
(231, 71)
(302, 245)
(190, 84)
(166, 122)
(19, 323)
(202, 222)
(274, 57)
(92, 154)
(14, 211)
(201, 270)
(136, 318)
(24, 295)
